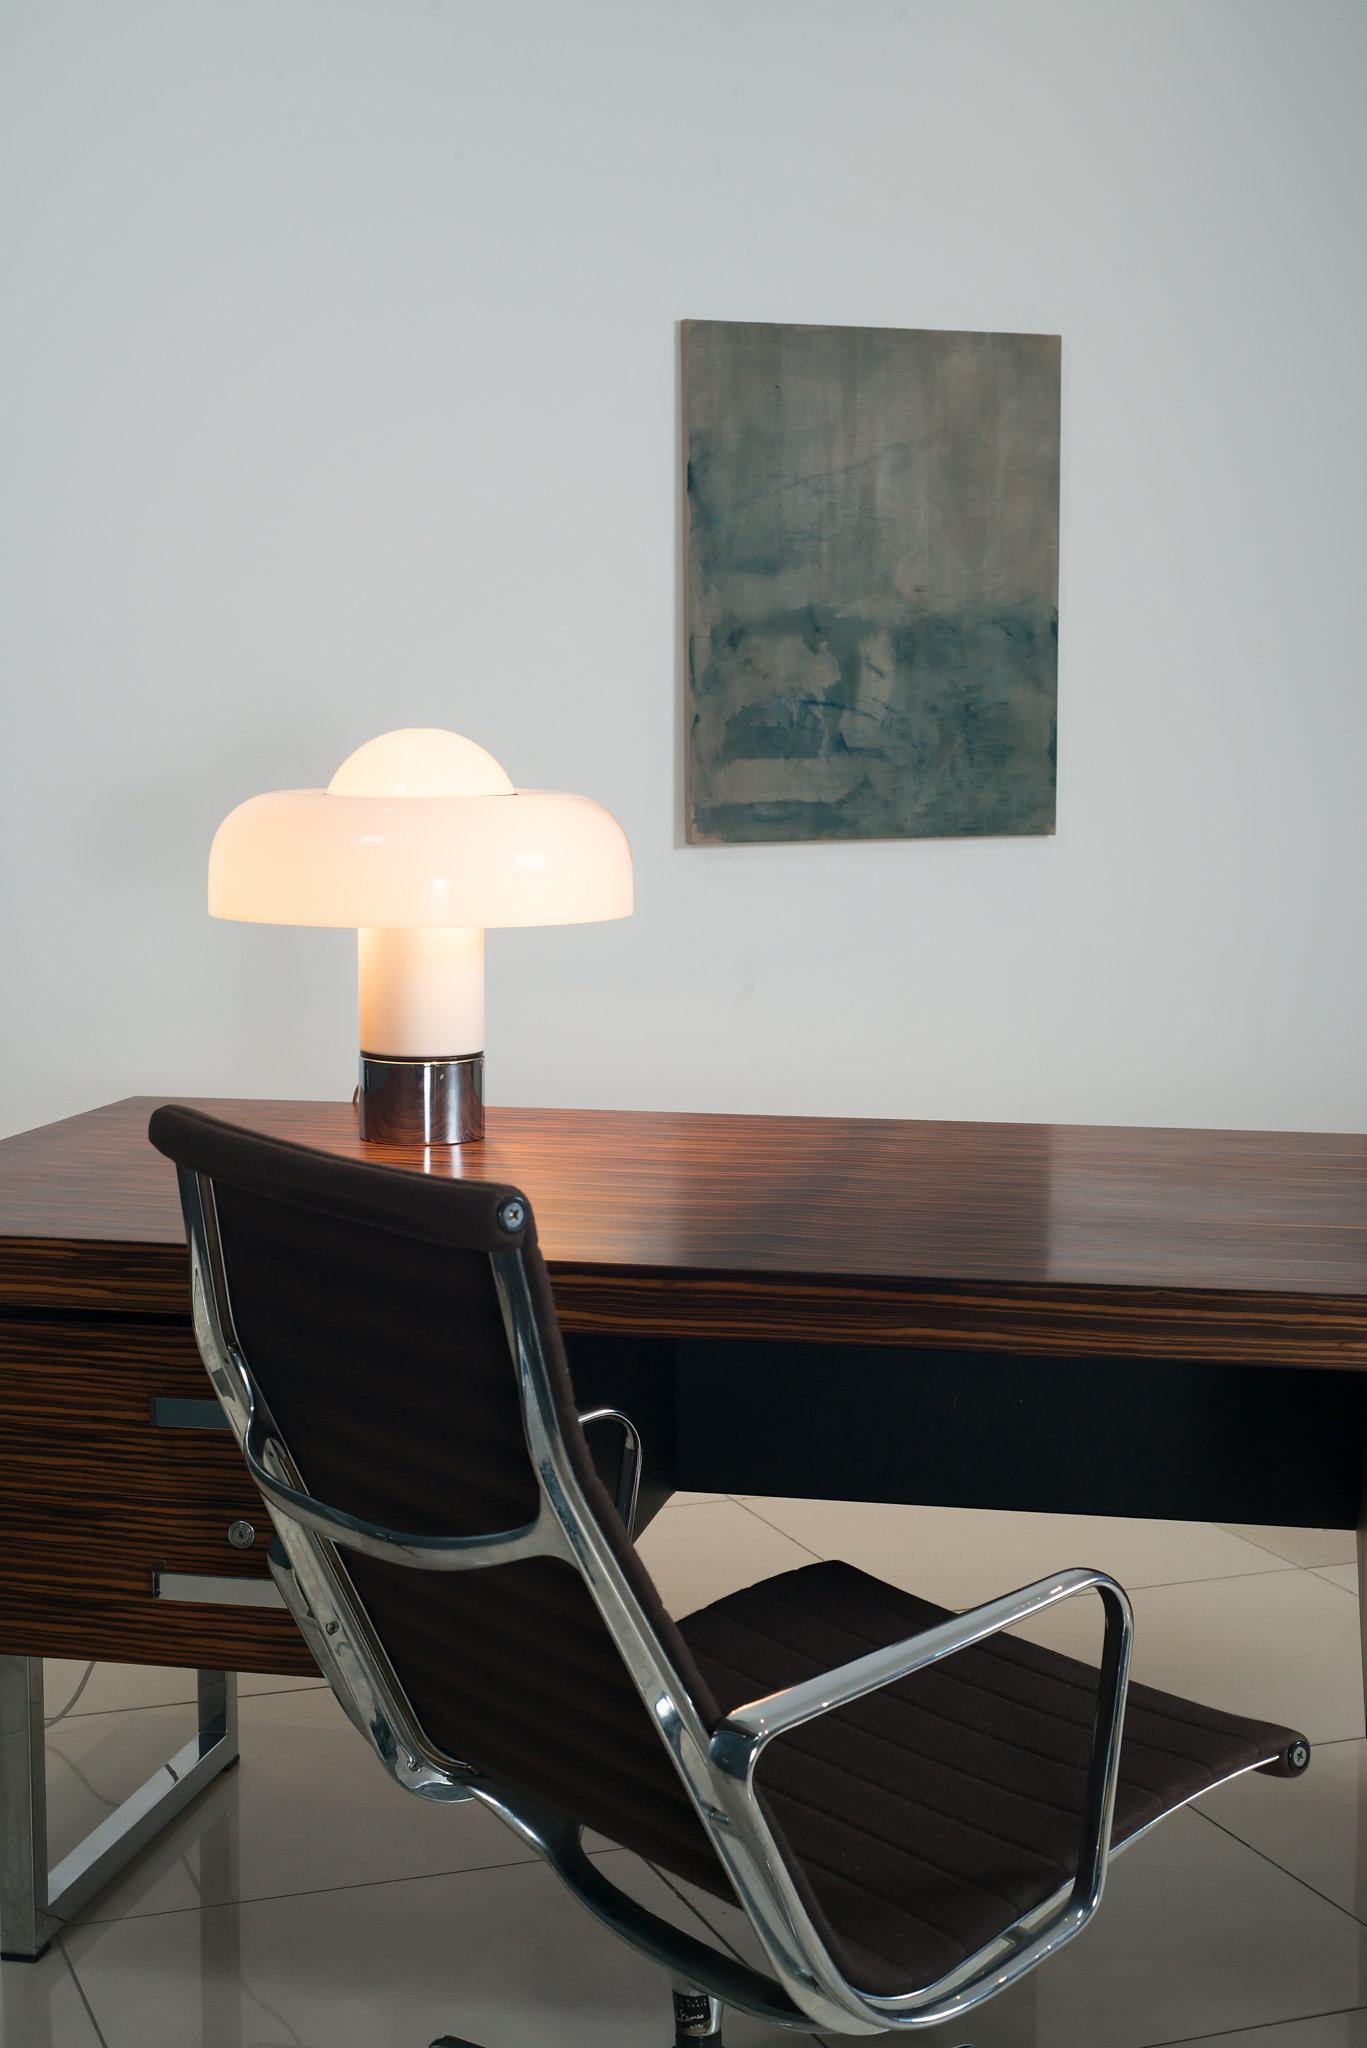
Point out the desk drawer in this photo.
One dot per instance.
(96, 1499)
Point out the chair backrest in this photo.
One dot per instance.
(364, 1304)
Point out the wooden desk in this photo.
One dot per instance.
(1104, 1321)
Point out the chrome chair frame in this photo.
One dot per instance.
(807, 1991)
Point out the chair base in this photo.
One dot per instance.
(697, 2016)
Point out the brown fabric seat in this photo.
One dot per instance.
(928, 1816)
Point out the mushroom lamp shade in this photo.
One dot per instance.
(420, 841)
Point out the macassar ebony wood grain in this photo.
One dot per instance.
(1222, 1245)
(180, 1637)
(94, 1499)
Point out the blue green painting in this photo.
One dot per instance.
(872, 582)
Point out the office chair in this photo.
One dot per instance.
(912, 1808)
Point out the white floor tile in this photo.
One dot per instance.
(1331, 2030)
(504, 1956)
(696, 1554)
(1344, 1575)
(693, 1500)
(308, 1809)
(960, 1556)
(1315, 1826)
(1282, 1646)
(1195, 1936)
(142, 1685)
(41, 2007)
(1308, 1547)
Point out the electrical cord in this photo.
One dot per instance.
(53, 1719)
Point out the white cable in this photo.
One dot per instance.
(53, 1719)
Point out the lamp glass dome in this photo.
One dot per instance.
(420, 828)
(420, 760)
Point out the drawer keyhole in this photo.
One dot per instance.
(241, 1535)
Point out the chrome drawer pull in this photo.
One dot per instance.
(212, 1590)
(178, 1411)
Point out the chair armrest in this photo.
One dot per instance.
(537, 1538)
(629, 1470)
(760, 1720)
(738, 1741)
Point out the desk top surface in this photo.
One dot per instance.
(794, 1203)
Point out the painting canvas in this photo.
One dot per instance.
(871, 582)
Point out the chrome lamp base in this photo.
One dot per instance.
(421, 1102)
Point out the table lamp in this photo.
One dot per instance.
(420, 841)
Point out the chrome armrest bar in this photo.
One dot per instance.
(538, 1538)
(760, 1720)
(740, 1739)
(629, 1471)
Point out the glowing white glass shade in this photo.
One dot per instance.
(383, 855)
(420, 841)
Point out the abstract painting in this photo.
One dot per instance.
(871, 567)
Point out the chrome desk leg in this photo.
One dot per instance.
(1362, 1557)
(36, 1903)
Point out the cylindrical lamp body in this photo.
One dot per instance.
(421, 991)
(422, 1034)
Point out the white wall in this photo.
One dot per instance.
(340, 392)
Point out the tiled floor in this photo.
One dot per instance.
(306, 1901)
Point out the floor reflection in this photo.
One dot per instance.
(220, 1933)
(30, 1995)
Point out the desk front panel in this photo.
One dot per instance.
(96, 1499)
